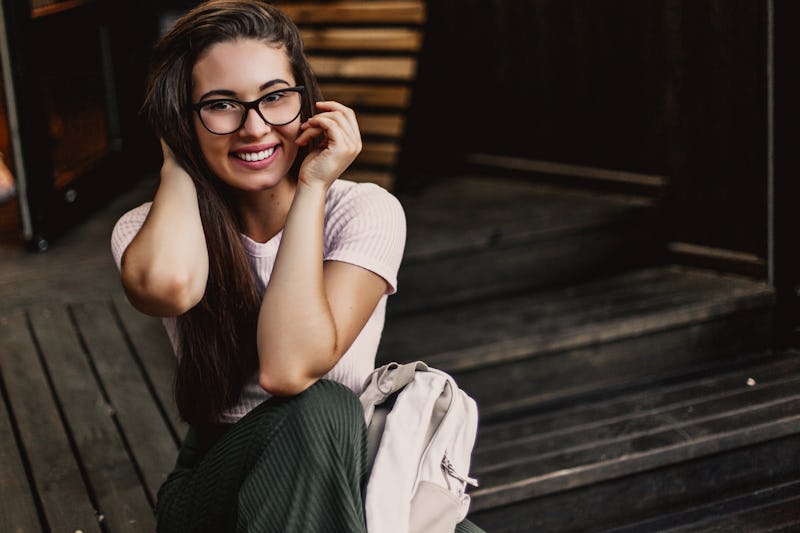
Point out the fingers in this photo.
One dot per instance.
(343, 115)
(336, 122)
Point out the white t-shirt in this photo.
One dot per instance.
(364, 225)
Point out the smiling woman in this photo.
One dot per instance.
(270, 272)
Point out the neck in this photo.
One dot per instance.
(264, 213)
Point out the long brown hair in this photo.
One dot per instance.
(217, 338)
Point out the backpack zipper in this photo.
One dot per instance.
(448, 467)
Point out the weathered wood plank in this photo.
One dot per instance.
(379, 153)
(513, 328)
(151, 344)
(633, 499)
(507, 268)
(379, 12)
(780, 515)
(484, 211)
(775, 508)
(516, 352)
(505, 483)
(364, 67)
(357, 95)
(146, 431)
(17, 508)
(362, 39)
(64, 497)
(381, 124)
(561, 376)
(721, 382)
(122, 499)
(635, 426)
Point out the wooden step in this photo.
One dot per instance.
(550, 346)
(633, 459)
(480, 236)
(771, 509)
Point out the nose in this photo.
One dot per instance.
(254, 124)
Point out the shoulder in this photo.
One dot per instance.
(126, 228)
(348, 199)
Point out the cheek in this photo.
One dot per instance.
(213, 147)
(290, 133)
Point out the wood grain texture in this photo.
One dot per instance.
(352, 12)
(17, 507)
(122, 499)
(145, 430)
(65, 500)
(154, 351)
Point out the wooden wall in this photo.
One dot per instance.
(668, 87)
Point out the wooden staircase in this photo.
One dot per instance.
(617, 391)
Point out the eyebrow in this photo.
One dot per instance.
(229, 93)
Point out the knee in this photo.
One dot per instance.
(325, 418)
(329, 410)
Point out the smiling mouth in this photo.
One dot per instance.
(255, 156)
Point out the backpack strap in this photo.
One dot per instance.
(385, 381)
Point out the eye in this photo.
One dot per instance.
(221, 106)
(273, 97)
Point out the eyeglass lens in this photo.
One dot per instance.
(226, 116)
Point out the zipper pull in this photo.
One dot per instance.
(448, 467)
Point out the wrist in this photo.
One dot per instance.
(313, 186)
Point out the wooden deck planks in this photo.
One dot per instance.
(563, 449)
(87, 391)
(774, 509)
(778, 369)
(510, 483)
(685, 420)
(121, 498)
(17, 508)
(509, 329)
(152, 348)
(145, 430)
(483, 211)
(56, 474)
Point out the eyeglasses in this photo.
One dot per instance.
(225, 115)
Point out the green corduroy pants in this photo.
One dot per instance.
(295, 464)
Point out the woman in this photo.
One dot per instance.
(272, 276)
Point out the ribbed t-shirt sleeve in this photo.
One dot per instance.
(126, 229)
(367, 228)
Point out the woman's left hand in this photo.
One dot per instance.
(340, 143)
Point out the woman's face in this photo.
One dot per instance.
(257, 156)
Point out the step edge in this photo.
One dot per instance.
(752, 501)
(781, 362)
(487, 240)
(506, 351)
(680, 426)
(560, 480)
(661, 410)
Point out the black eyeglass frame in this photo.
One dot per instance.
(254, 104)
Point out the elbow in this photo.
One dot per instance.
(294, 363)
(289, 376)
(283, 384)
(161, 293)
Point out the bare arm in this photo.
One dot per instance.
(311, 313)
(165, 268)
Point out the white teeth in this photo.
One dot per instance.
(255, 156)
